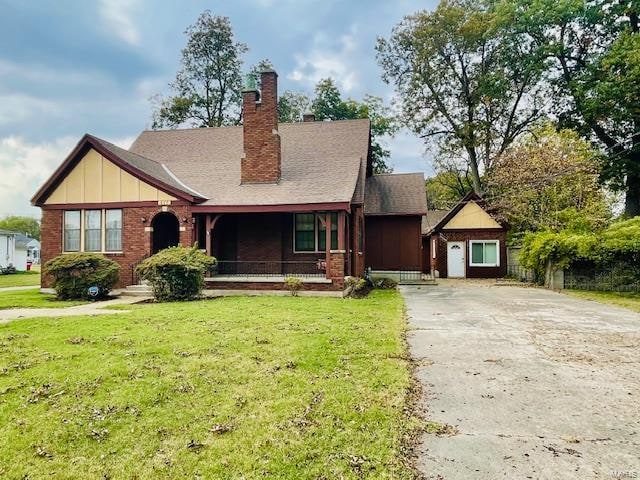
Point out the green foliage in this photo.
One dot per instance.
(329, 105)
(592, 56)
(548, 180)
(74, 273)
(466, 82)
(176, 273)
(618, 243)
(207, 87)
(294, 285)
(292, 105)
(446, 188)
(27, 225)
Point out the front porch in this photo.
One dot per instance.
(260, 250)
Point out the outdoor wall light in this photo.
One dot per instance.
(185, 220)
(144, 220)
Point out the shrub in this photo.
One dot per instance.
(293, 284)
(73, 274)
(176, 273)
(385, 283)
(356, 287)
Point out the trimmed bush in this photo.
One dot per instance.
(176, 273)
(73, 274)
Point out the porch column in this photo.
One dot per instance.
(341, 230)
(208, 240)
(327, 243)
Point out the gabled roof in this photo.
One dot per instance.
(431, 219)
(145, 169)
(8, 233)
(448, 215)
(22, 240)
(395, 194)
(321, 162)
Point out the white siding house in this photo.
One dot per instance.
(7, 248)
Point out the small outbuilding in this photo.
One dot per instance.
(464, 242)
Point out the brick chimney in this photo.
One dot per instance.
(308, 117)
(261, 160)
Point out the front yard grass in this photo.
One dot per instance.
(628, 300)
(263, 387)
(32, 298)
(20, 279)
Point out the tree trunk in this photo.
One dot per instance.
(632, 199)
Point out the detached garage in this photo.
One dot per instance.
(466, 242)
(394, 207)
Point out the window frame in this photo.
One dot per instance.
(107, 229)
(103, 231)
(86, 230)
(316, 231)
(484, 242)
(65, 229)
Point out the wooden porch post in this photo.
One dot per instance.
(327, 243)
(208, 240)
(341, 229)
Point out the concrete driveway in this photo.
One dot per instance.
(525, 383)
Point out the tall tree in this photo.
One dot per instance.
(549, 180)
(206, 91)
(594, 46)
(27, 225)
(463, 80)
(329, 105)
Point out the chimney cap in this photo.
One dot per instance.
(308, 117)
(268, 69)
(250, 83)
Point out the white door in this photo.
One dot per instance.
(455, 259)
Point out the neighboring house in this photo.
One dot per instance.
(464, 242)
(27, 250)
(7, 248)
(266, 199)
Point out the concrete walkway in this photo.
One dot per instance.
(533, 384)
(95, 308)
(12, 289)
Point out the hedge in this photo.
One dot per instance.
(75, 273)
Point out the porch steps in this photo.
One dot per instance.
(141, 290)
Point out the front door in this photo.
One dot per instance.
(455, 259)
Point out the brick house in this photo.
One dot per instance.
(464, 242)
(265, 199)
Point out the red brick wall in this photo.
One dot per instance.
(136, 242)
(261, 162)
(272, 286)
(259, 236)
(440, 263)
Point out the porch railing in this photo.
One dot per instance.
(267, 268)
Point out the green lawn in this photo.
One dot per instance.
(20, 279)
(263, 387)
(32, 298)
(621, 299)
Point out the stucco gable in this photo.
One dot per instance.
(471, 216)
(95, 179)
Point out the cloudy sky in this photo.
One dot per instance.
(70, 67)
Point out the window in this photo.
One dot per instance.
(113, 229)
(72, 231)
(322, 232)
(92, 230)
(101, 231)
(484, 253)
(310, 232)
(305, 232)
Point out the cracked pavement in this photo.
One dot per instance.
(538, 384)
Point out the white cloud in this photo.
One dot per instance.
(117, 15)
(19, 107)
(25, 167)
(327, 58)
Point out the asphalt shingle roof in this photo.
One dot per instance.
(431, 219)
(321, 162)
(400, 193)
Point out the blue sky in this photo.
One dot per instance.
(70, 67)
